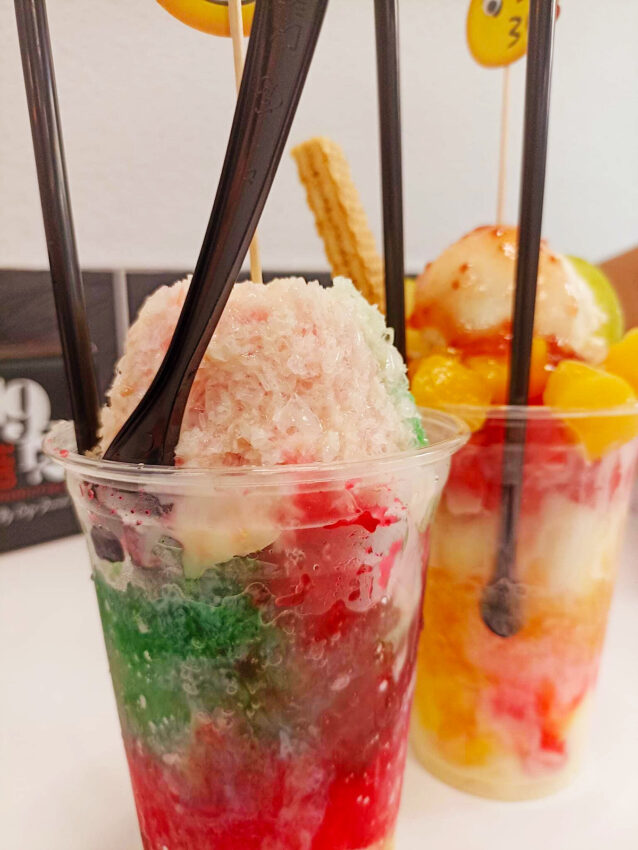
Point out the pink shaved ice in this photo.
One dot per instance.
(295, 373)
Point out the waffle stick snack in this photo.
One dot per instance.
(340, 218)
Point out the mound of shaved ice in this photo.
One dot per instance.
(295, 373)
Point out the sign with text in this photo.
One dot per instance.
(34, 505)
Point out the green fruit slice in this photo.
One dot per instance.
(606, 298)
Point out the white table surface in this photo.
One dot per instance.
(63, 776)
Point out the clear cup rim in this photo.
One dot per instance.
(59, 445)
(535, 412)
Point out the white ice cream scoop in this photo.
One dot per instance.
(468, 292)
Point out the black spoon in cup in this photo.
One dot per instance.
(501, 602)
(281, 47)
(66, 278)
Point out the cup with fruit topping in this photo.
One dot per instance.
(506, 717)
(261, 627)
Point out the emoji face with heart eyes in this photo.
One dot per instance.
(497, 31)
(209, 16)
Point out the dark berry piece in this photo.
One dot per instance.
(106, 545)
(130, 502)
(149, 505)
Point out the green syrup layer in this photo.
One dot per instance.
(419, 433)
(192, 647)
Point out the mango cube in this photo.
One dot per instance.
(577, 386)
(622, 359)
(496, 371)
(442, 380)
(538, 374)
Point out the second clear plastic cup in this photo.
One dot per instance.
(261, 627)
(506, 717)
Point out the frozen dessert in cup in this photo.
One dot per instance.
(261, 601)
(507, 717)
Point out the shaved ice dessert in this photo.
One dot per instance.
(295, 373)
(262, 601)
(507, 717)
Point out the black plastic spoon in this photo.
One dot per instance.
(284, 36)
(68, 292)
(387, 37)
(501, 602)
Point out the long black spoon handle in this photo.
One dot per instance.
(39, 79)
(282, 43)
(537, 97)
(501, 602)
(387, 38)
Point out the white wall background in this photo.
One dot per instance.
(147, 105)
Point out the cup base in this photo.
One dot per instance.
(501, 787)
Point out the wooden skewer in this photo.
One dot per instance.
(502, 166)
(237, 36)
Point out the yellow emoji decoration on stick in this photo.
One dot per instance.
(497, 31)
(497, 37)
(209, 16)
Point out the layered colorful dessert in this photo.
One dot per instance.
(504, 717)
(262, 602)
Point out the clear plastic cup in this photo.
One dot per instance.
(261, 627)
(507, 717)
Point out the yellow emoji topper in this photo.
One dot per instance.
(209, 16)
(497, 31)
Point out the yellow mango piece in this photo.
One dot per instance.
(538, 373)
(445, 707)
(495, 372)
(442, 380)
(429, 714)
(420, 343)
(478, 750)
(577, 386)
(622, 359)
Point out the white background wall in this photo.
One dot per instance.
(147, 105)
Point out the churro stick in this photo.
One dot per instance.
(340, 217)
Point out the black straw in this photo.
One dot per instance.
(387, 32)
(501, 603)
(39, 79)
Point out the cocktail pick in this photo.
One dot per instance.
(284, 36)
(236, 24)
(501, 603)
(501, 196)
(39, 79)
(387, 37)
